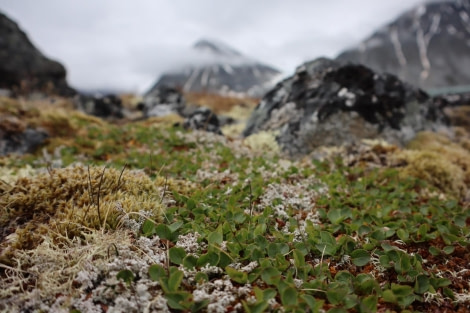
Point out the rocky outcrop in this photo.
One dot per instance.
(217, 68)
(428, 46)
(104, 106)
(17, 138)
(327, 103)
(23, 68)
(162, 101)
(203, 119)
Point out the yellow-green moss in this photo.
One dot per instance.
(438, 160)
(68, 201)
(434, 168)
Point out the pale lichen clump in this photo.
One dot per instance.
(70, 200)
(263, 142)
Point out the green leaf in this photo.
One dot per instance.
(448, 249)
(189, 261)
(175, 279)
(224, 259)
(344, 276)
(289, 296)
(273, 250)
(389, 296)
(403, 234)
(270, 275)
(439, 282)
(148, 228)
(448, 293)
(336, 295)
(175, 226)
(299, 258)
(126, 275)
(190, 204)
(239, 217)
(215, 237)
(434, 251)
(163, 231)
(178, 300)
(365, 283)
(336, 216)
(177, 255)
(237, 276)
(311, 302)
(422, 284)
(369, 304)
(401, 290)
(201, 277)
(199, 306)
(337, 310)
(404, 264)
(258, 307)
(360, 257)
(385, 261)
(327, 244)
(211, 258)
(156, 272)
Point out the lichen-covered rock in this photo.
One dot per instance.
(327, 103)
(107, 106)
(162, 101)
(17, 138)
(203, 119)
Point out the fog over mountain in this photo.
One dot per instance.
(217, 67)
(120, 44)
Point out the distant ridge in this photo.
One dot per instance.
(428, 46)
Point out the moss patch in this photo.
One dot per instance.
(70, 200)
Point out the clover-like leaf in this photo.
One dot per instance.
(360, 257)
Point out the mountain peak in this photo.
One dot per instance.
(216, 47)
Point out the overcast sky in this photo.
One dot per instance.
(127, 44)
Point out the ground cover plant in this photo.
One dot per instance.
(149, 217)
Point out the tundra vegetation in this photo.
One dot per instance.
(148, 217)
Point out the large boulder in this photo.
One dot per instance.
(203, 119)
(427, 46)
(163, 101)
(327, 103)
(103, 106)
(217, 68)
(23, 68)
(17, 138)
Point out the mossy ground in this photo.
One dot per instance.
(192, 221)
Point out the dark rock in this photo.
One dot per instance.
(327, 103)
(203, 119)
(163, 101)
(23, 68)
(217, 68)
(107, 106)
(17, 138)
(428, 46)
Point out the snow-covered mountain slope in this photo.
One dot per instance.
(220, 69)
(428, 46)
